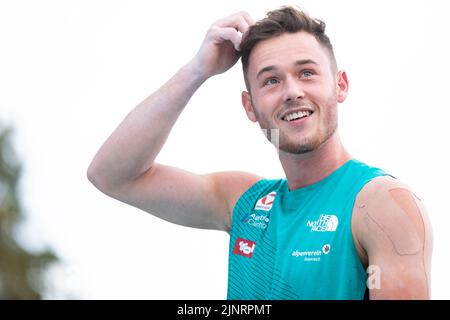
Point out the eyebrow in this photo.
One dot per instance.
(297, 63)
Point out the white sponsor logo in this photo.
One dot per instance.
(266, 202)
(326, 222)
(257, 220)
(312, 255)
(326, 249)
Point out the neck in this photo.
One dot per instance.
(305, 169)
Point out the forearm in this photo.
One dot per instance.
(132, 148)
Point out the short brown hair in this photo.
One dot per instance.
(284, 20)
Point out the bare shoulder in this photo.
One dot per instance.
(379, 186)
(387, 207)
(392, 230)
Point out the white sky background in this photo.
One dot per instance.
(70, 71)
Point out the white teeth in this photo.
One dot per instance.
(297, 115)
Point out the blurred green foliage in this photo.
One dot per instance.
(21, 271)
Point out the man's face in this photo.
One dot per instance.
(295, 89)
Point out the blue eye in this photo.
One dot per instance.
(270, 81)
(307, 73)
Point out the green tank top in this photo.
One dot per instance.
(298, 244)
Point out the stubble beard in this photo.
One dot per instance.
(309, 143)
(306, 144)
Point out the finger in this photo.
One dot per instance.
(237, 21)
(228, 34)
(248, 18)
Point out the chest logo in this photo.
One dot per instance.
(266, 202)
(312, 255)
(257, 220)
(325, 223)
(244, 247)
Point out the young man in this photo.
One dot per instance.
(317, 234)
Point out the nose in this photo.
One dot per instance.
(292, 89)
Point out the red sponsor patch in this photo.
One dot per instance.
(267, 200)
(244, 247)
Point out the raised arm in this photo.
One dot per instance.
(124, 167)
(394, 239)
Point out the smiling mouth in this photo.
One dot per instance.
(297, 115)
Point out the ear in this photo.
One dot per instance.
(341, 86)
(248, 106)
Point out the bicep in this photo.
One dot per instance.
(183, 197)
(395, 276)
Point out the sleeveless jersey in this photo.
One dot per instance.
(298, 244)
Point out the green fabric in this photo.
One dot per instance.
(298, 244)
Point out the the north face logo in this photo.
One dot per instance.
(326, 222)
(266, 202)
(244, 247)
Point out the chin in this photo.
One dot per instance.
(306, 144)
(298, 148)
(302, 149)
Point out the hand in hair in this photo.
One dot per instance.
(219, 50)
